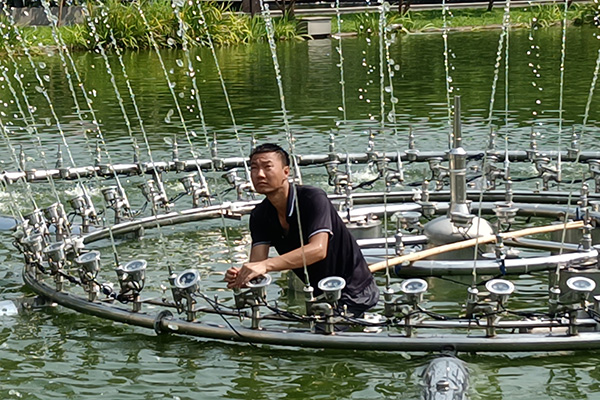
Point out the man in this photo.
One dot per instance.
(329, 248)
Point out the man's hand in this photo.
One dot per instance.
(230, 276)
(239, 277)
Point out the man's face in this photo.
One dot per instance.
(268, 172)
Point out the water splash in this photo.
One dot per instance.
(266, 13)
(449, 87)
(341, 63)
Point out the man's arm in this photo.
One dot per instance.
(259, 252)
(315, 250)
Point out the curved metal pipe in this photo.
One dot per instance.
(387, 341)
(492, 267)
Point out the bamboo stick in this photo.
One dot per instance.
(472, 242)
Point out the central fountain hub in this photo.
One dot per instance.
(458, 224)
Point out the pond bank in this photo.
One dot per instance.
(122, 26)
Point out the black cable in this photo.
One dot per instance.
(226, 320)
(177, 197)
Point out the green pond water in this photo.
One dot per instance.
(55, 353)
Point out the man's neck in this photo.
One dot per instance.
(279, 198)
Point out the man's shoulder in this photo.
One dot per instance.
(306, 190)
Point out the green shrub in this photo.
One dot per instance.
(588, 13)
(127, 26)
(368, 23)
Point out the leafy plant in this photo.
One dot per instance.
(223, 26)
(546, 15)
(588, 13)
(368, 23)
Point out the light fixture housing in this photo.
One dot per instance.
(89, 262)
(579, 288)
(500, 289)
(260, 281)
(414, 289)
(55, 252)
(188, 281)
(134, 272)
(332, 287)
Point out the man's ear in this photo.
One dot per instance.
(286, 170)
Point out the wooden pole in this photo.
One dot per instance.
(472, 242)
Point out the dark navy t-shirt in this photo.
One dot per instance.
(317, 214)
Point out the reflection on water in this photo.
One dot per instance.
(56, 353)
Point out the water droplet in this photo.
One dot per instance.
(394, 100)
(42, 65)
(193, 133)
(388, 89)
(171, 42)
(39, 89)
(48, 121)
(179, 62)
(168, 141)
(181, 95)
(169, 115)
(340, 108)
(46, 78)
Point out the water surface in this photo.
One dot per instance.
(56, 353)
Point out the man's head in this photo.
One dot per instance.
(269, 168)
(271, 148)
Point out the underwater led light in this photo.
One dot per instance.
(231, 176)
(414, 289)
(78, 203)
(581, 284)
(500, 289)
(35, 218)
(134, 272)
(188, 280)
(414, 286)
(580, 288)
(55, 252)
(89, 262)
(332, 287)
(34, 243)
(52, 212)
(260, 281)
(188, 183)
(110, 194)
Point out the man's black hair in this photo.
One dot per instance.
(271, 148)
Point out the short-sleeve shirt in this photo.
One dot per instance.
(317, 214)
